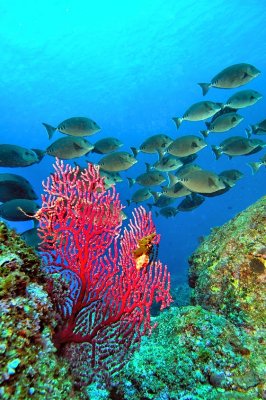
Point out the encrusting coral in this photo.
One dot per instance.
(228, 270)
(29, 366)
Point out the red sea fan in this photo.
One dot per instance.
(111, 279)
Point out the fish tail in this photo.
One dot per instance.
(217, 152)
(128, 202)
(205, 87)
(50, 129)
(248, 132)
(135, 151)
(155, 195)
(254, 166)
(177, 121)
(131, 181)
(254, 128)
(204, 133)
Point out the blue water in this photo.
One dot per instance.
(131, 66)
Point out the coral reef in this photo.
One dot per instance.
(29, 366)
(195, 354)
(228, 270)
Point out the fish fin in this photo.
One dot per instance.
(177, 121)
(221, 105)
(205, 87)
(155, 195)
(129, 202)
(208, 124)
(39, 153)
(254, 128)
(50, 129)
(248, 132)
(211, 182)
(131, 181)
(135, 151)
(161, 153)
(254, 166)
(205, 133)
(148, 167)
(217, 152)
(172, 179)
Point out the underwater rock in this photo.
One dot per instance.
(194, 354)
(29, 367)
(228, 270)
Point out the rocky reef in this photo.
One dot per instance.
(29, 367)
(228, 270)
(212, 349)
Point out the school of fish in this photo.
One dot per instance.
(173, 176)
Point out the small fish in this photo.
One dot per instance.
(75, 126)
(16, 156)
(118, 161)
(110, 178)
(223, 111)
(190, 202)
(107, 145)
(255, 166)
(257, 129)
(14, 186)
(235, 146)
(160, 200)
(186, 145)
(233, 174)
(167, 163)
(243, 98)
(149, 178)
(223, 123)
(140, 195)
(67, 148)
(231, 77)
(167, 212)
(175, 191)
(18, 209)
(154, 144)
(198, 112)
(202, 181)
(31, 237)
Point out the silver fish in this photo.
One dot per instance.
(233, 174)
(175, 191)
(202, 181)
(107, 145)
(16, 156)
(118, 161)
(154, 144)
(257, 129)
(255, 166)
(167, 163)
(231, 77)
(31, 237)
(67, 148)
(190, 202)
(198, 112)
(75, 126)
(14, 186)
(186, 145)
(167, 212)
(149, 178)
(18, 209)
(223, 123)
(243, 98)
(236, 146)
(140, 195)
